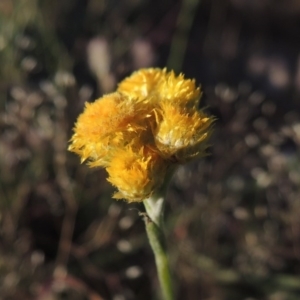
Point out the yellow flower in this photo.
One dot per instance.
(109, 122)
(151, 124)
(182, 133)
(161, 85)
(136, 173)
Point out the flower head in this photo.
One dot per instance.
(109, 122)
(136, 173)
(138, 132)
(182, 133)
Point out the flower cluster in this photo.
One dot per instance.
(137, 133)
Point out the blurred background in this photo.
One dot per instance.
(232, 219)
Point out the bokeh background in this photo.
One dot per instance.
(232, 219)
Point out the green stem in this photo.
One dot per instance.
(155, 209)
(153, 222)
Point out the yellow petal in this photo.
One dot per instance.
(142, 83)
(178, 89)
